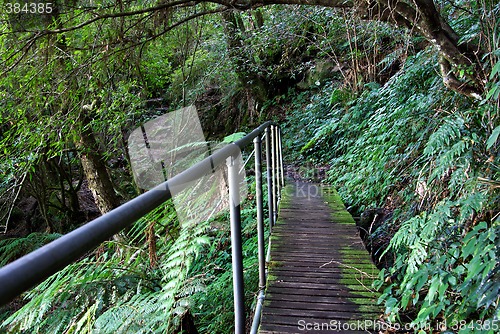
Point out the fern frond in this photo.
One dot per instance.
(13, 248)
(444, 136)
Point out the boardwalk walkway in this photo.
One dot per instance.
(320, 274)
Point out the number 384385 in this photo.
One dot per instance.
(28, 8)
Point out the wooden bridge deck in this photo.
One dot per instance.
(320, 273)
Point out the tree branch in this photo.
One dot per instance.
(451, 81)
(177, 3)
(421, 15)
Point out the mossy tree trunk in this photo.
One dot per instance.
(254, 86)
(94, 168)
(91, 157)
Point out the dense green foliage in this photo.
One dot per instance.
(151, 279)
(430, 158)
(364, 98)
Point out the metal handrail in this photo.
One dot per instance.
(25, 272)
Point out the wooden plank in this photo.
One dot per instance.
(307, 300)
(353, 287)
(337, 313)
(329, 290)
(330, 278)
(325, 294)
(280, 273)
(318, 256)
(321, 266)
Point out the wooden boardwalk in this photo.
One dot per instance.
(320, 274)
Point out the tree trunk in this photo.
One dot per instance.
(253, 85)
(95, 170)
(455, 58)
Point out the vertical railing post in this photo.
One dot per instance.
(273, 167)
(276, 164)
(236, 246)
(260, 212)
(270, 197)
(280, 149)
(275, 173)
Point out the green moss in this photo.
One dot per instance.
(354, 281)
(287, 191)
(361, 257)
(363, 301)
(271, 277)
(358, 273)
(369, 308)
(285, 202)
(274, 264)
(332, 198)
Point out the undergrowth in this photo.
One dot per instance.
(430, 157)
(147, 280)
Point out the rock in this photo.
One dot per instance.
(318, 73)
(373, 232)
(369, 221)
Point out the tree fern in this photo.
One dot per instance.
(13, 248)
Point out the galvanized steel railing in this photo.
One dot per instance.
(33, 268)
